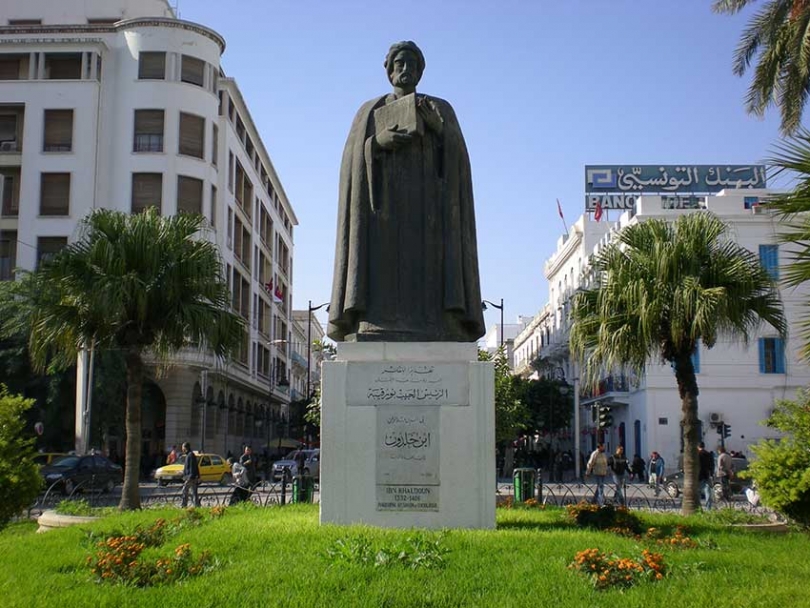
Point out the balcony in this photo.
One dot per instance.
(610, 388)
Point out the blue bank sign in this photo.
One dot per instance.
(669, 179)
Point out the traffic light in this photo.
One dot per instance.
(605, 417)
(724, 430)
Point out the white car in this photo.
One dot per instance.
(312, 465)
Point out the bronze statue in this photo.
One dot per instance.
(406, 260)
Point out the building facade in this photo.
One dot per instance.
(738, 385)
(118, 104)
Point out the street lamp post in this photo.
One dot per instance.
(499, 307)
(310, 310)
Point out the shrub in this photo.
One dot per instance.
(782, 469)
(20, 480)
(604, 518)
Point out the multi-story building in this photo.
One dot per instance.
(738, 384)
(119, 104)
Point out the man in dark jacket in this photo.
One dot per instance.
(191, 476)
(248, 460)
(706, 467)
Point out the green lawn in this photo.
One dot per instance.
(279, 557)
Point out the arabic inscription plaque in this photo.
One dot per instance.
(408, 384)
(408, 458)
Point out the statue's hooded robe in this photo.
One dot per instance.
(406, 260)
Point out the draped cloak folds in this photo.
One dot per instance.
(406, 259)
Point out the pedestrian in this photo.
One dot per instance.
(656, 472)
(248, 460)
(191, 476)
(705, 471)
(241, 492)
(172, 457)
(598, 467)
(725, 471)
(638, 467)
(619, 468)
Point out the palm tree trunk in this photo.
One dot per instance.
(130, 493)
(687, 386)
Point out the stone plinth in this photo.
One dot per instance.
(408, 436)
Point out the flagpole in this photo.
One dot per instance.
(562, 217)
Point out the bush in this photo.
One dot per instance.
(782, 468)
(19, 475)
(604, 518)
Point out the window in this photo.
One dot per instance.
(8, 254)
(151, 66)
(214, 143)
(769, 258)
(771, 356)
(147, 191)
(63, 66)
(192, 70)
(696, 358)
(103, 20)
(213, 206)
(230, 170)
(54, 194)
(189, 194)
(25, 21)
(49, 246)
(148, 131)
(11, 192)
(13, 67)
(192, 135)
(58, 131)
(8, 132)
(750, 201)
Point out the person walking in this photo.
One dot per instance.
(191, 476)
(705, 471)
(656, 471)
(598, 467)
(725, 471)
(248, 460)
(172, 457)
(619, 468)
(638, 467)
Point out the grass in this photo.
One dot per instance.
(281, 557)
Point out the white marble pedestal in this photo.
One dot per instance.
(408, 436)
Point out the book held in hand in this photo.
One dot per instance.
(400, 114)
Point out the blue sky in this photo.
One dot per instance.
(541, 88)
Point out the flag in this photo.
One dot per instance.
(268, 287)
(597, 214)
(559, 210)
(278, 295)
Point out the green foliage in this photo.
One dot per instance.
(511, 413)
(588, 515)
(419, 550)
(20, 480)
(782, 468)
(776, 38)
(78, 506)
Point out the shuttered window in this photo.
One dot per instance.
(147, 191)
(769, 258)
(771, 356)
(214, 144)
(192, 70)
(148, 131)
(151, 66)
(54, 197)
(189, 194)
(192, 135)
(58, 131)
(9, 68)
(49, 246)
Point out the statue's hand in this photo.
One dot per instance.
(430, 114)
(393, 138)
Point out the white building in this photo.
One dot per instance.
(738, 385)
(119, 104)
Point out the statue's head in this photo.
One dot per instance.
(404, 64)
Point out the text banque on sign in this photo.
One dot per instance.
(617, 186)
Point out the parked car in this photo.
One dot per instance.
(44, 458)
(674, 483)
(90, 472)
(312, 465)
(213, 467)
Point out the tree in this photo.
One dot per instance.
(137, 284)
(793, 156)
(511, 414)
(782, 468)
(779, 37)
(663, 288)
(19, 475)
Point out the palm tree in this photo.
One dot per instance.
(779, 36)
(134, 283)
(663, 288)
(793, 156)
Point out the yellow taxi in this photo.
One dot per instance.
(213, 467)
